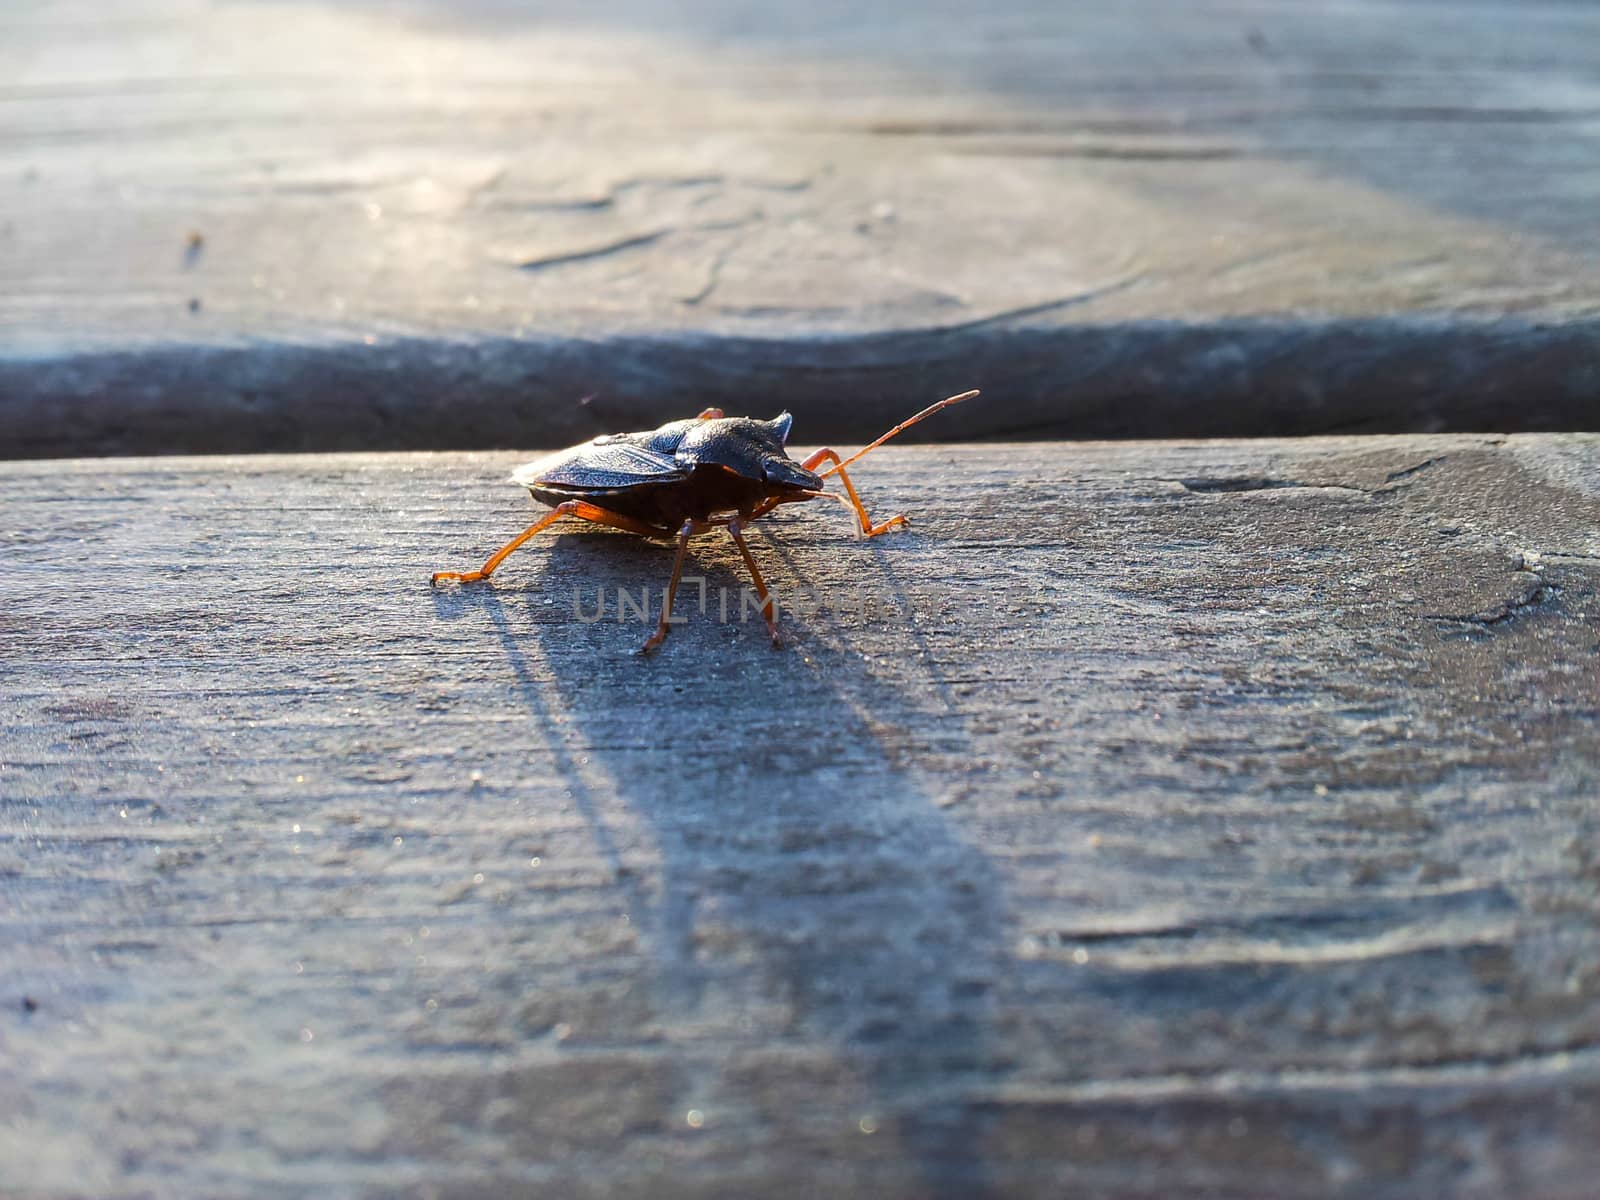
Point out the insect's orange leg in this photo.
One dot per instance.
(500, 555)
(574, 508)
(604, 516)
(709, 414)
(768, 610)
(690, 528)
(867, 527)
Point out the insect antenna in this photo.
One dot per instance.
(899, 429)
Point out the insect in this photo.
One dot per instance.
(710, 472)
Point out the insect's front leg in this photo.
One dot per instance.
(867, 527)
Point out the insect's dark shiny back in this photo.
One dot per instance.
(683, 470)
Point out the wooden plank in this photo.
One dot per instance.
(427, 225)
(1148, 820)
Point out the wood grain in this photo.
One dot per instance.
(1148, 820)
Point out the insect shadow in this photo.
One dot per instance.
(773, 824)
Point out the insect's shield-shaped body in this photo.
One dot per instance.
(750, 448)
(687, 477)
(684, 470)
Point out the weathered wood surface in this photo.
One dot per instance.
(344, 225)
(1149, 820)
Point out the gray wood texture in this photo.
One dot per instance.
(256, 225)
(1147, 821)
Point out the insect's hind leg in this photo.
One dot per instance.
(574, 508)
(867, 527)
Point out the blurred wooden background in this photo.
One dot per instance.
(256, 225)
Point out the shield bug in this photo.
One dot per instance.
(709, 472)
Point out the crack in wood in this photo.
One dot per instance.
(562, 258)
(1541, 595)
(1206, 486)
(1408, 472)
